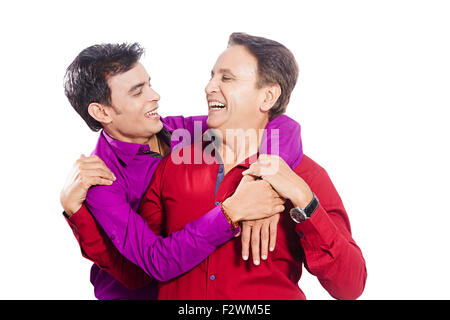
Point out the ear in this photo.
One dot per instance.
(100, 113)
(272, 93)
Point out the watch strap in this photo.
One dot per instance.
(312, 206)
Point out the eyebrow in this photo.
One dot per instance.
(224, 71)
(139, 85)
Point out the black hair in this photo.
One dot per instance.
(85, 81)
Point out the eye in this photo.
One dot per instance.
(225, 78)
(137, 94)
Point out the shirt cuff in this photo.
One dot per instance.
(66, 215)
(318, 229)
(82, 222)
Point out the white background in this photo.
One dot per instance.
(372, 99)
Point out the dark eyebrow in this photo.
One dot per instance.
(136, 86)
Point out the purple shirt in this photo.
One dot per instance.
(114, 207)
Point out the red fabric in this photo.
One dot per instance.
(97, 247)
(323, 243)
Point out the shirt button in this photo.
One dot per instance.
(220, 169)
(217, 203)
(213, 277)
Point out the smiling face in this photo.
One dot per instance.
(133, 115)
(234, 100)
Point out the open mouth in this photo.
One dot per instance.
(215, 105)
(151, 114)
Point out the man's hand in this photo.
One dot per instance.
(86, 172)
(261, 234)
(253, 199)
(286, 182)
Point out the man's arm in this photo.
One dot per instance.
(97, 247)
(194, 125)
(282, 136)
(94, 243)
(330, 251)
(167, 258)
(106, 255)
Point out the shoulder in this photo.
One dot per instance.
(104, 151)
(309, 170)
(319, 181)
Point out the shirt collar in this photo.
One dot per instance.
(126, 152)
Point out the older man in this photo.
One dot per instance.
(251, 84)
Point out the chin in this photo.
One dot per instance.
(214, 122)
(157, 127)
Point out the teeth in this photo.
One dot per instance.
(216, 104)
(151, 113)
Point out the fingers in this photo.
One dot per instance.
(273, 232)
(261, 236)
(265, 240)
(275, 205)
(93, 158)
(247, 178)
(257, 168)
(93, 166)
(95, 180)
(255, 237)
(99, 173)
(245, 239)
(253, 170)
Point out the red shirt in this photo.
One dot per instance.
(322, 243)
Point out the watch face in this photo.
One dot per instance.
(298, 215)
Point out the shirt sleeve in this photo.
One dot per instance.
(97, 247)
(162, 258)
(330, 251)
(282, 137)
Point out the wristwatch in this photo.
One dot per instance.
(300, 215)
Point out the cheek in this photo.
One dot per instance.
(242, 101)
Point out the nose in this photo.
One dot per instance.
(153, 95)
(212, 86)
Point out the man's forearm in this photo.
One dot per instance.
(332, 256)
(167, 258)
(97, 247)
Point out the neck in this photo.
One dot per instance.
(236, 145)
(158, 145)
(117, 135)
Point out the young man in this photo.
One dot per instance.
(111, 91)
(252, 81)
